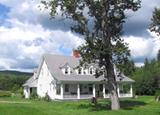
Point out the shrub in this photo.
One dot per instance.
(5, 94)
(94, 100)
(34, 95)
(46, 98)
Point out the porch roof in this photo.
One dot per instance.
(31, 82)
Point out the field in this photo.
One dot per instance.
(144, 105)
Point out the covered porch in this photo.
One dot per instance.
(28, 91)
(68, 91)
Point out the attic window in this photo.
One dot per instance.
(91, 70)
(66, 70)
(80, 71)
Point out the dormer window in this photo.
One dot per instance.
(80, 71)
(91, 70)
(67, 70)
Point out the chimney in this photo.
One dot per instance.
(76, 54)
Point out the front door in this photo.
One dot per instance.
(99, 90)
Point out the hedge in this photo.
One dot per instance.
(5, 94)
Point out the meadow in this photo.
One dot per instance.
(144, 105)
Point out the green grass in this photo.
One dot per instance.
(144, 105)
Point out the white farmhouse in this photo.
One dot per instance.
(58, 77)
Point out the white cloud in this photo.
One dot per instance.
(139, 64)
(140, 47)
(25, 43)
(143, 47)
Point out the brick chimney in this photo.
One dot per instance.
(76, 54)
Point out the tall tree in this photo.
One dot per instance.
(155, 24)
(100, 22)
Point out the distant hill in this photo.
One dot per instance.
(13, 80)
(18, 73)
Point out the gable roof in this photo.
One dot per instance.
(55, 62)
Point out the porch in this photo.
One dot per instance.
(87, 91)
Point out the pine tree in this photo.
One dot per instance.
(155, 24)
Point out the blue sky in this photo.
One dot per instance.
(26, 33)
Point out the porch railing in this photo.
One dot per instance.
(82, 96)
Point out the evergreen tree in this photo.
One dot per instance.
(155, 25)
(103, 43)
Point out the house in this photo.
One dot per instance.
(58, 77)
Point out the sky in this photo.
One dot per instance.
(26, 33)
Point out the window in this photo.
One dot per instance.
(80, 71)
(91, 70)
(58, 90)
(66, 71)
(90, 88)
(101, 87)
(66, 87)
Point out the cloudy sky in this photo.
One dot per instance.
(26, 32)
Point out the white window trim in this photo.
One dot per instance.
(68, 69)
(93, 70)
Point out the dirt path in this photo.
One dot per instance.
(14, 102)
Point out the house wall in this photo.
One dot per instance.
(46, 83)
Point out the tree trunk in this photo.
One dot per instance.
(110, 75)
(114, 100)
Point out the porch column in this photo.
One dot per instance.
(94, 91)
(131, 90)
(78, 91)
(27, 92)
(61, 91)
(104, 88)
(118, 92)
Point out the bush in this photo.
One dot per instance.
(46, 98)
(33, 95)
(5, 94)
(94, 100)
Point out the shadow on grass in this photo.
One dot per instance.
(105, 105)
(130, 104)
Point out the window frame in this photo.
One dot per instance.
(66, 89)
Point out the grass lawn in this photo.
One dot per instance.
(144, 105)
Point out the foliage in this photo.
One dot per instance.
(147, 78)
(94, 100)
(127, 67)
(46, 98)
(33, 95)
(157, 93)
(100, 22)
(12, 80)
(155, 25)
(5, 93)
